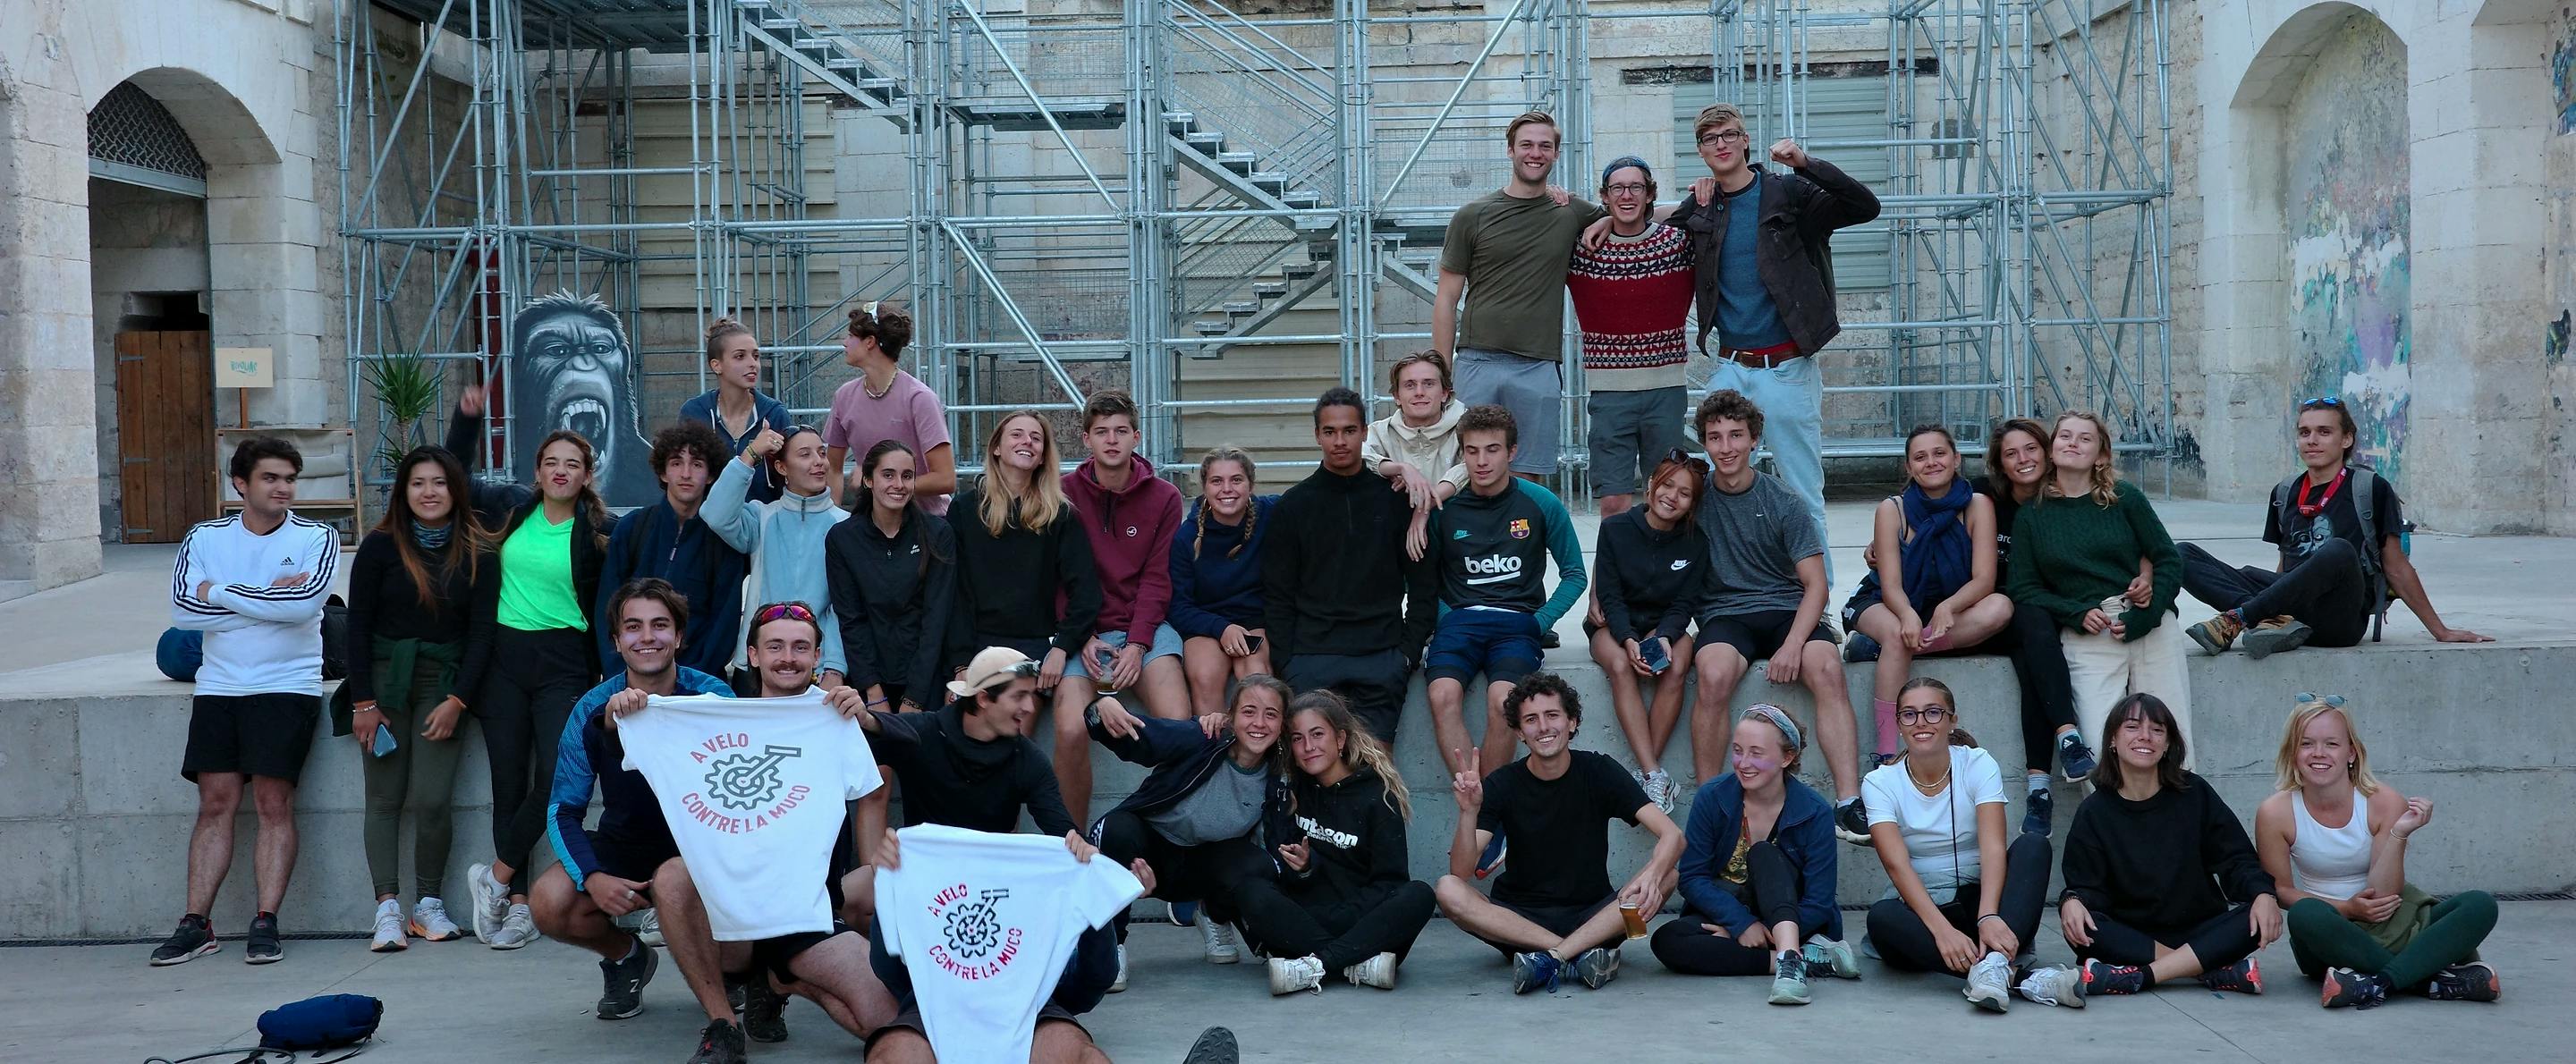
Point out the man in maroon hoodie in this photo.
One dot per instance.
(1129, 516)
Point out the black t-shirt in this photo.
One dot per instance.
(2338, 520)
(1560, 846)
(947, 778)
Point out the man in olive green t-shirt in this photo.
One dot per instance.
(1506, 252)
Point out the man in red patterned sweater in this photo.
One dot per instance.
(1632, 298)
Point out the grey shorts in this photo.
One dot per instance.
(1531, 388)
(1630, 434)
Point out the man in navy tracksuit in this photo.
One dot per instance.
(1492, 543)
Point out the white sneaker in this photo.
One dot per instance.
(1119, 985)
(2062, 987)
(491, 901)
(647, 925)
(1377, 971)
(390, 933)
(518, 928)
(1826, 956)
(1659, 789)
(1289, 975)
(429, 921)
(1990, 982)
(1222, 946)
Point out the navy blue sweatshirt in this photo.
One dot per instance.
(653, 541)
(766, 413)
(1209, 589)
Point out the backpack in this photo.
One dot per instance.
(335, 639)
(326, 1022)
(2364, 487)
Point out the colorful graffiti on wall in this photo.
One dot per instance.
(2348, 184)
(2562, 71)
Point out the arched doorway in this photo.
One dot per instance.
(151, 285)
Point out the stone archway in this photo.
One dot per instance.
(149, 286)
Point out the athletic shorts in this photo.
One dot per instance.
(774, 954)
(250, 735)
(1629, 434)
(1531, 388)
(1758, 635)
(635, 859)
(1558, 920)
(1502, 644)
(1167, 644)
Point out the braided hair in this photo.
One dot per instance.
(1251, 513)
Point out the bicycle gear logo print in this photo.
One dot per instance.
(976, 943)
(746, 789)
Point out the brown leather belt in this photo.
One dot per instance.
(1761, 358)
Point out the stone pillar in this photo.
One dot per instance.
(48, 433)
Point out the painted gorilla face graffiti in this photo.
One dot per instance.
(574, 371)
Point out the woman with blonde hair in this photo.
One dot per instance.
(2334, 839)
(1216, 578)
(1019, 552)
(1344, 900)
(2077, 550)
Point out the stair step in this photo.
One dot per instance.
(1241, 306)
(1180, 122)
(1299, 271)
(781, 22)
(1210, 327)
(842, 62)
(1269, 289)
(1270, 181)
(1240, 162)
(813, 44)
(1208, 142)
(881, 85)
(1302, 200)
(752, 5)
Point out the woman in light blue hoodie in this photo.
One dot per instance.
(783, 538)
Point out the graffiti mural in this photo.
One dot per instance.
(2347, 186)
(574, 369)
(2562, 71)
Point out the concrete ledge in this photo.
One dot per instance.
(95, 819)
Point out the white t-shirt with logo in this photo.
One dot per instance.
(1940, 830)
(753, 790)
(984, 924)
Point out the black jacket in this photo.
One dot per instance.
(1334, 575)
(1800, 211)
(949, 778)
(1649, 583)
(1355, 845)
(504, 507)
(895, 599)
(1181, 758)
(383, 602)
(1025, 584)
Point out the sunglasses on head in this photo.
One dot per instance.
(791, 610)
(1679, 455)
(2322, 400)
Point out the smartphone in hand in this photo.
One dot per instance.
(1656, 657)
(384, 742)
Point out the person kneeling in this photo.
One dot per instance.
(1343, 900)
(1746, 904)
(2161, 882)
(1552, 905)
(1962, 901)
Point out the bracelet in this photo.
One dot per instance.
(876, 701)
(1990, 916)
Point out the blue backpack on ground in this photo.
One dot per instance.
(326, 1022)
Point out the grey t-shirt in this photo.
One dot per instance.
(1227, 806)
(1755, 541)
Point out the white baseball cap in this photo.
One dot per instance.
(992, 667)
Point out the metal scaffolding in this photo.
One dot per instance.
(1131, 190)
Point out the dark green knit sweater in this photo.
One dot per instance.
(2070, 554)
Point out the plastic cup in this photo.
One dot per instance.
(1634, 918)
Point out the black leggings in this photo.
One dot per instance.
(2219, 941)
(2327, 590)
(526, 697)
(1280, 922)
(1205, 873)
(2039, 662)
(1773, 884)
(1905, 943)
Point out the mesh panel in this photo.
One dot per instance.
(130, 127)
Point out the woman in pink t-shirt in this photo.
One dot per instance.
(886, 403)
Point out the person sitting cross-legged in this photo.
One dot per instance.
(1552, 907)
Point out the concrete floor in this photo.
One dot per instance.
(459, 1001)
(96, 636)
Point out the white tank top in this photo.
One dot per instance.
(2330, 862)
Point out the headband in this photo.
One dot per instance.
(1779, 719)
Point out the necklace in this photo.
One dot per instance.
(1927, 788)
(878, 393)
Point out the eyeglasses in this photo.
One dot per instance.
(795, 611)
(1929, 715)
(1626, 188)
(1731, 136)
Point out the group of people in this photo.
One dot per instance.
(848, 573)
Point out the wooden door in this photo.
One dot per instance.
(165, 421)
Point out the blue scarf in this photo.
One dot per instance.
(1939, 559)
(430, 539)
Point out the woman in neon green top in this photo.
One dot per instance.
(552, 541)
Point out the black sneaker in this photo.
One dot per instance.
(1851, 823)
(1859, 648)
(2345, 988)
(261, 945)
(764, 1011)
(719, 1042)
(2474, 981)
(2074, 759)
(1550, 640)
(1215, 1046)
(2105, 978)
(621, 992)
(2038, 815)
(195, 938)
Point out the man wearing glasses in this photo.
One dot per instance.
(1632, 297)
(1505, 253)
(1759, 246)
(2343, 552)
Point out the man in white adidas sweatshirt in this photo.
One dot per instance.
(254, 582)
